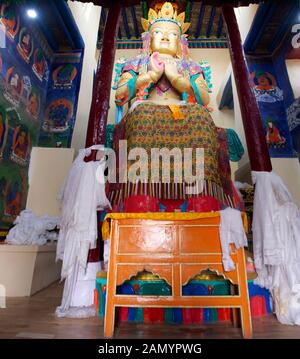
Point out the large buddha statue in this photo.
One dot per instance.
(167, 96)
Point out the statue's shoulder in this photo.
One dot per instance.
(125, 65)
(200, 67)
(136, 63)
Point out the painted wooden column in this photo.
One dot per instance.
(254, 132)
(102, 86)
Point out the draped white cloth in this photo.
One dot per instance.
(276, 244)
(231, 232)
(82, 195)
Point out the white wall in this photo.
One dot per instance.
(245, 16)
(47, 172)
(87, 17)
(293, 69)
(289, 171)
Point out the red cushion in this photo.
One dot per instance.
(140, 204)
(203, 204)
(172, 204)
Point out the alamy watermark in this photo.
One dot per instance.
(161, 165)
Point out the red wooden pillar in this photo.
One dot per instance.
(255, 136)
(102, 86)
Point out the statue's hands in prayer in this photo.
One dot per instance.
(157, 67)
(155, 71)
(171, 70)
(178, 81)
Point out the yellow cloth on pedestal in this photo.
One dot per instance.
(176, 112)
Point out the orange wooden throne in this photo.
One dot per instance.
(176, 248)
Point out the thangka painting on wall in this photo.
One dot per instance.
(33, 104)
(58, 115)
(9, 21)
(63, 76)
(276, 129)
(25, 45)
(265, 87)
(20, 139)
(14, 86)
(272, 109)
(273, 136)
(13, 192)
(15, 147)
(40, 65)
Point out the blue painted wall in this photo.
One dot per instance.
(39, 87)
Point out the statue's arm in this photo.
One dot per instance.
(200, 89)
(125, 90)
(193, 85)
(132, 84)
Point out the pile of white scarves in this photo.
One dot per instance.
(30, 229)
(276, 244)
(82, 195)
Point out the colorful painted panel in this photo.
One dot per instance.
(60, 111)
(22, 97)
(38, 98)
(37, 107)
(64, 76)
(271, 106)
(16, 137)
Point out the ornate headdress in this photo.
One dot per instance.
(166, 13)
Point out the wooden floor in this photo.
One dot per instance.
(34, 318)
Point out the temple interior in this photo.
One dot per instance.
(90, 93)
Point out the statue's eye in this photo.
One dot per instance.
(157, 32)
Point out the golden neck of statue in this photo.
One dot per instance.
(169, 97)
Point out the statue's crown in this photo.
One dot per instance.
(166, 13)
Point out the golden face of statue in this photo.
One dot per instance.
(165, 38)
